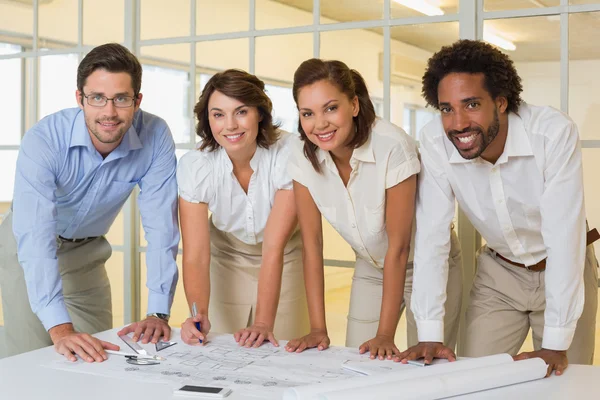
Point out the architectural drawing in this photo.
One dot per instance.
(265, 372)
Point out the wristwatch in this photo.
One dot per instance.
(164, 317)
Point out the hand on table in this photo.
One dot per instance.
(318, 339)
(557, 360)
(70, 343)
(381, 346)
(150, 330)
(255, 335)
(428, 351)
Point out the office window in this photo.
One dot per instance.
(415, 118)
(11, 100)
(58, 82)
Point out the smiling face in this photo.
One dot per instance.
(472, 119)
(326, 115)
(108, 124)
(233, 124)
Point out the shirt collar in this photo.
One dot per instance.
(254, 161)
(80, 135)
(363, 153)
(517, 143)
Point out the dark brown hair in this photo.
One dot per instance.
(349, 82)
(111, 57)
(474, 57)
(245, 88)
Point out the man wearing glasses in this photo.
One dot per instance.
(75, 170)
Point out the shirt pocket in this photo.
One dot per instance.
(375, 218)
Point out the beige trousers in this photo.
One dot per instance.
(86, 290)
(234, 272)
(366, 296)
(507, 300)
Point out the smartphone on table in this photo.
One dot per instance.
(203, 392)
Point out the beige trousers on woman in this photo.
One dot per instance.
(367, 293)
(234, 272)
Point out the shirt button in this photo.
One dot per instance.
(500, 201)
(494, 170)
(354, 225)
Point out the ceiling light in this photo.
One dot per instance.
(499, 41)
(421, 6)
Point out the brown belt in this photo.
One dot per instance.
(76, 240)
(591, 237)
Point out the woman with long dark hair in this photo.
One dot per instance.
(360, 173)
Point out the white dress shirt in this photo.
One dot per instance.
(528, 206)
(357, 212)
(207, 177)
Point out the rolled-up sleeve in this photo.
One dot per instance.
(297, 161)
(194, 178)
(402, 164)
(158, 207)
(34, 226)
(281, 177)
(434, 214)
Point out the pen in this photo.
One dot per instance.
(418, 363)
(194, 313)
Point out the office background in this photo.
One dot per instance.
(181, 43)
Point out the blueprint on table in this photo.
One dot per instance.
(263, 372)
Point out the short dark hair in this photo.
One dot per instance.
(243, 87)
(111, 57)
(348, 81)
(474, 57)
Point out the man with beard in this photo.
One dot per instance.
(516, 172)
(75, 170)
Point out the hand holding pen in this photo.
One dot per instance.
(195, 328)
(196, 323)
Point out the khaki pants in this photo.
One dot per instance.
(367, 292)
(507, 300)
(234, 272)
(86, 290)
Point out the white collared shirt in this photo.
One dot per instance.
(207, 177)
(357, 212)
(528, 206)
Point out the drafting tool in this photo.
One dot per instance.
(124, 354)
(135, 346)
(161, 345)
(141, 361)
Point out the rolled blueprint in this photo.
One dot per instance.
(312, 392)
(449, 384)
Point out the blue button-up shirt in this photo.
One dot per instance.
(64, 187)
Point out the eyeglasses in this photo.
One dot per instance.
(96, 100)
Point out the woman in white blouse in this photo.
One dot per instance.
(359, 173)
(242, 266)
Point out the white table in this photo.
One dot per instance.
(23, 377)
